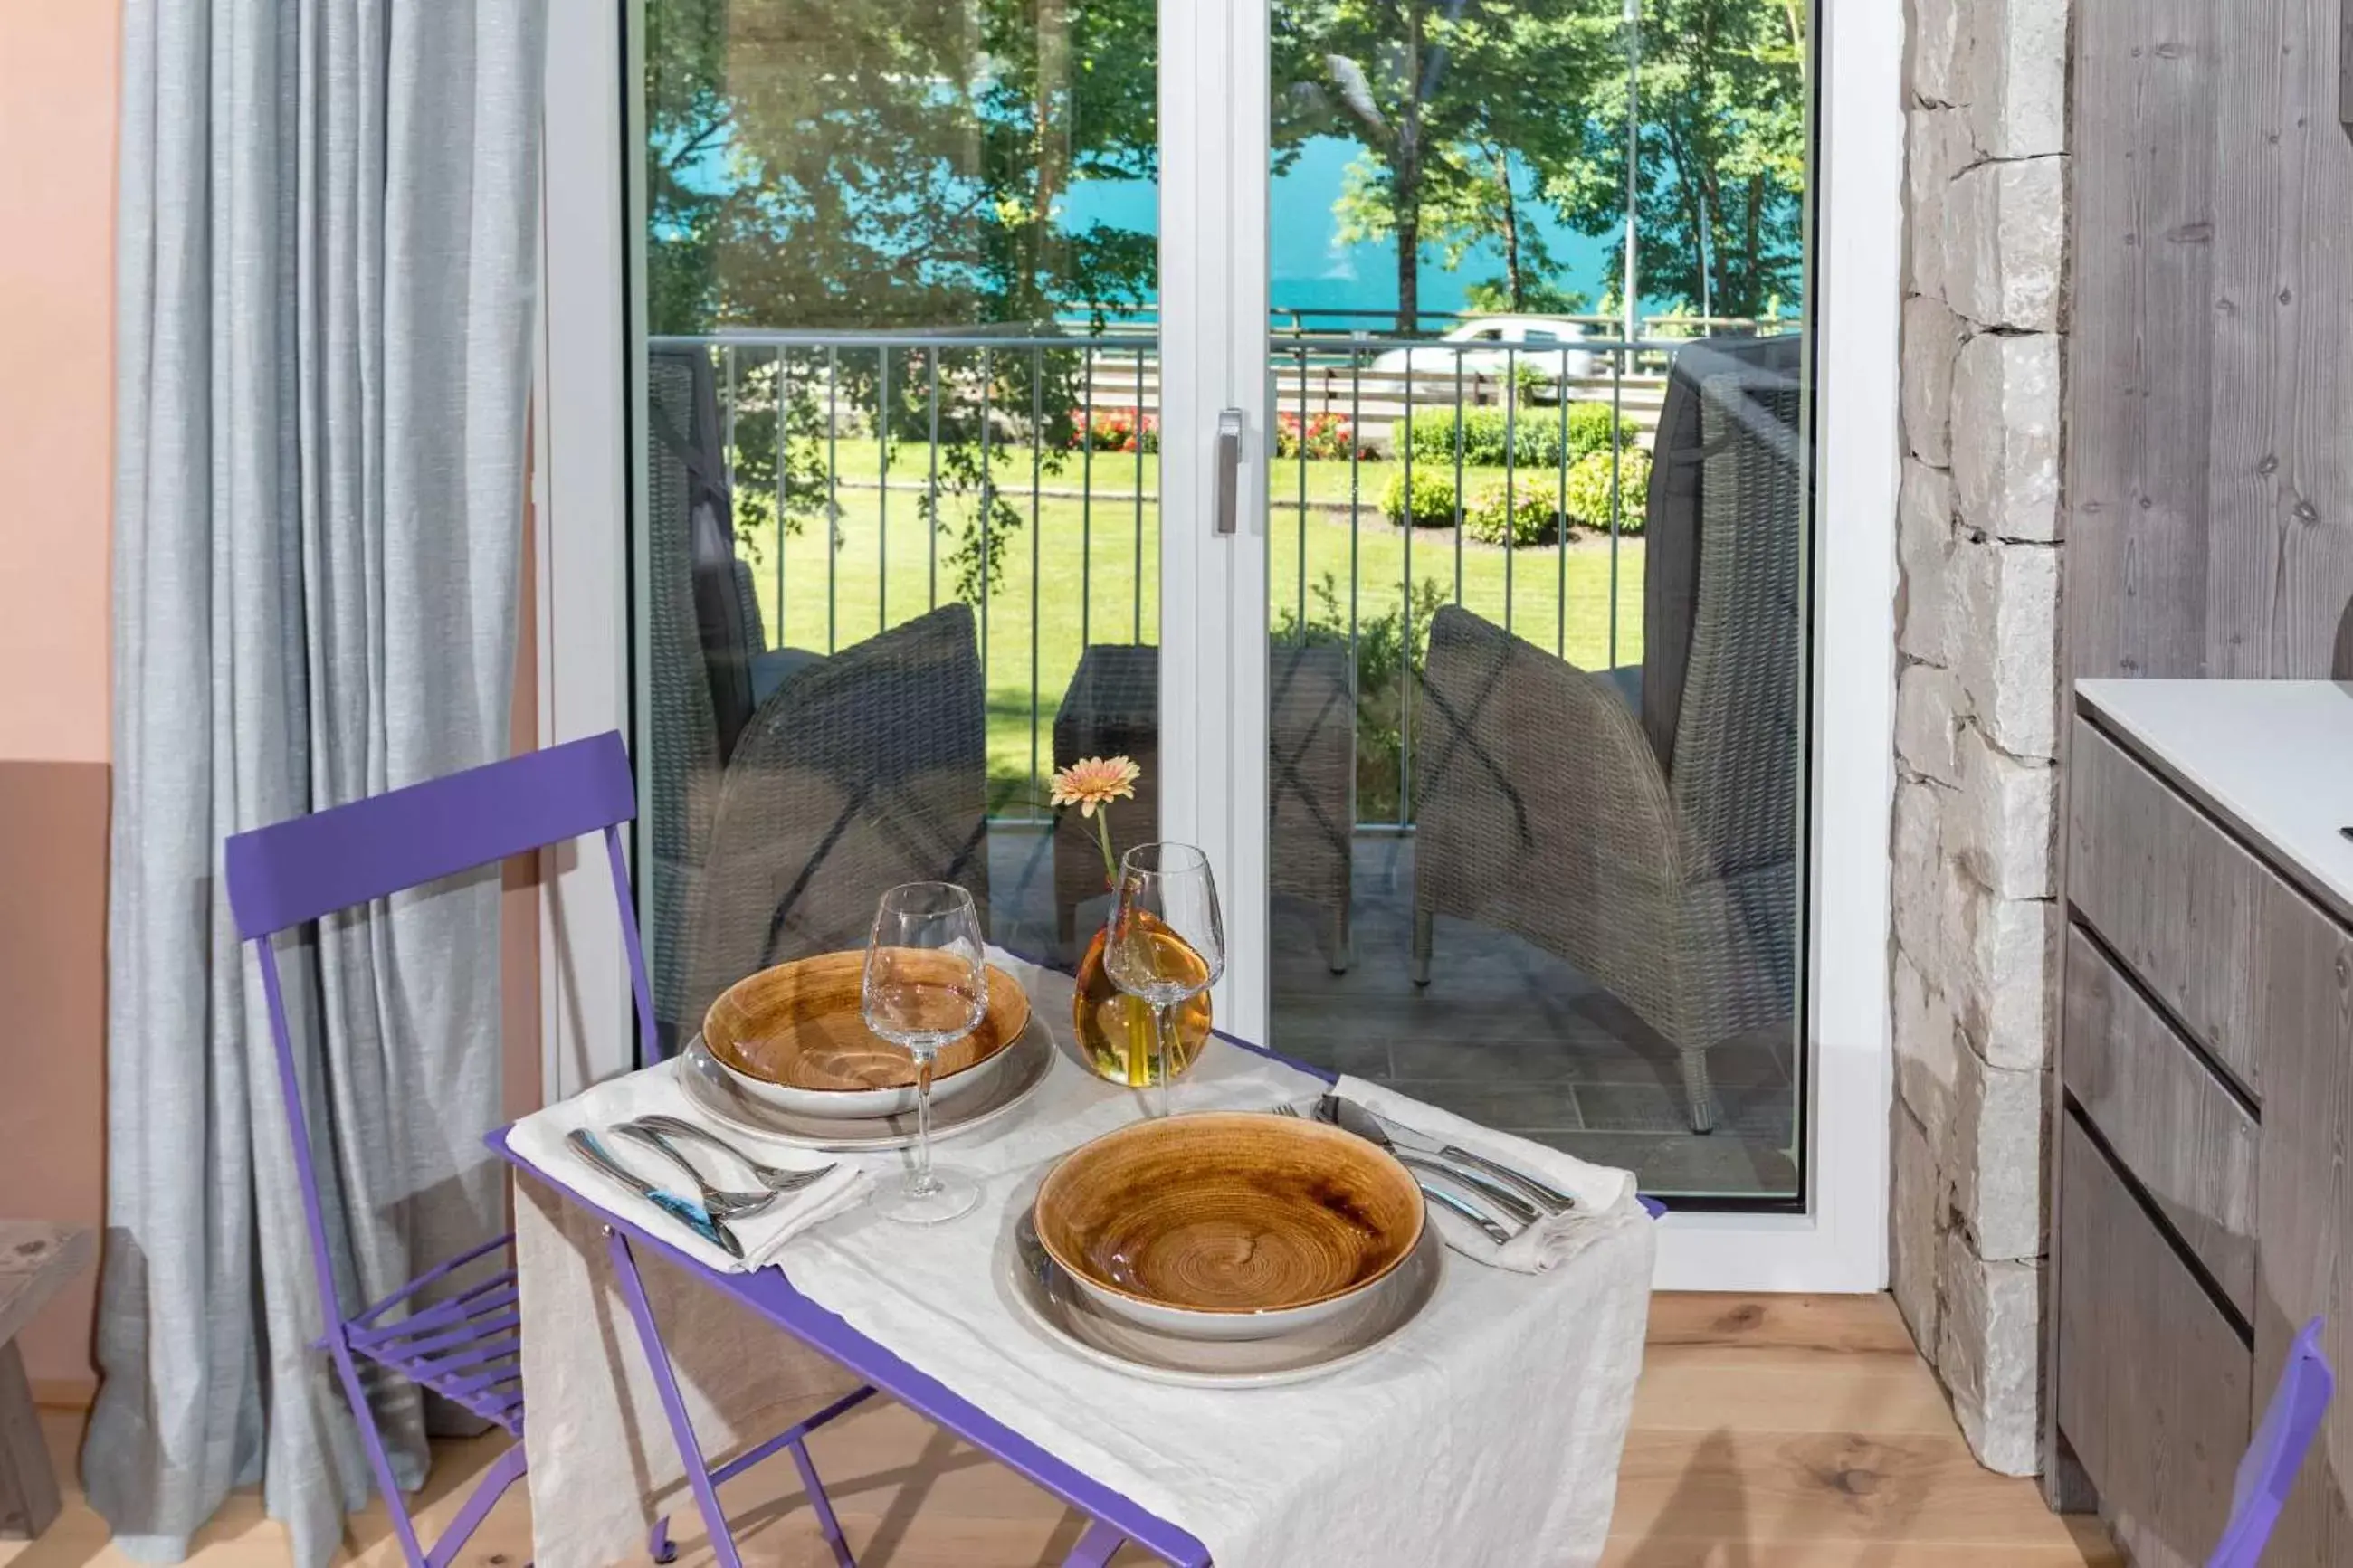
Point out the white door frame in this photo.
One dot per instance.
(1213, 79)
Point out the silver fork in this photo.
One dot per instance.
(1489, 1226)
(775, 1178)
(721, 1204)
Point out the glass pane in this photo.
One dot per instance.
(899, 541)
(1539, 525)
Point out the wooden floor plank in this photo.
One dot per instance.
(1780, 1432)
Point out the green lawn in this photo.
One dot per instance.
(1080, 562)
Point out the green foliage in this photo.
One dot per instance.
(1538, 296)
(1721, 195)
(1590, 481)
(1527, 512)
(902, 164)
(1463, 108)
(1433, 498)
(1533, 435)
(1392, 651)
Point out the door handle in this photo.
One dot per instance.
(1229, 470)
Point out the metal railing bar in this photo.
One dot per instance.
(832, 490)
(1560, 518)
(1355, 518)
(784, 482)
(1037, 526)
(1511, 474)
(1087, 506)
(934, 490)
(1404, 669)
(1302, 499)
(1458, 520)
(1137, 634)
(1616, 494)
(988, 505)
(883, 489)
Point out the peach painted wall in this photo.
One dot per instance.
(58, 76)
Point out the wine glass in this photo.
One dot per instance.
(1167, 940)
(925, 988)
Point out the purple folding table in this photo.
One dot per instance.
(1113, 1519)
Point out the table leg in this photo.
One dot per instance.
(1096, 1547)
(29, 1487)
(827, 1523)
(690, 1448)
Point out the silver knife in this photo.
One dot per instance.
(686, 1211)
(1355, 1121)
(1355, 1117)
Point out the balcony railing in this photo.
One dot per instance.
(876, 474)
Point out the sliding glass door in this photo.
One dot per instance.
(1393, 426)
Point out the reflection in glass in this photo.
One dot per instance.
(1539, 493)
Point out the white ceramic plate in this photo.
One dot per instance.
(1047, 1297)
(717, 1094)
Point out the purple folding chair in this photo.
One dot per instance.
(467, 1347)
(2268, 1472)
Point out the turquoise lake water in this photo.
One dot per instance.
(1312, 269)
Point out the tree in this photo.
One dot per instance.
(1720, 197)
(1457, 105)
(898, 163)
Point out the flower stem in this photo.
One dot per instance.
(1103, 836)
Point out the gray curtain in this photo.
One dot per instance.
(325, 295)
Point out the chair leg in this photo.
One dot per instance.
(1425, 932)
(828, 1525)
(659, 1545)
(1096, 1548)
(379, 1462)
(681, 1427)
(1698, 1090)
(1338, 956)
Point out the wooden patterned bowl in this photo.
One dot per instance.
(1228, 1226)
(792, 1037)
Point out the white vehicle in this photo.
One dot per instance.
(1485, 350)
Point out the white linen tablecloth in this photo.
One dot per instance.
(1489, 1431)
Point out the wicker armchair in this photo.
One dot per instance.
(1548, 811)
(786, 789)
(863, 771)
(1113, 705)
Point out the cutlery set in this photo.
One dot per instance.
(1501, 1200)
(709, 1210)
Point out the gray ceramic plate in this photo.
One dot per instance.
(717, 1093)
(1065, 1314)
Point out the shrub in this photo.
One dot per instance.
(1588, 491)
(1433, 498)
(1534, 435)
(1588, 429)
(1528, 514)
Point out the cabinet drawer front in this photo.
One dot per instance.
(2153, 1381)
(2188, 1143)
(2180, 903)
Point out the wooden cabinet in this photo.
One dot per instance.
(2204, 1124)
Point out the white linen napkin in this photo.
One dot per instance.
(539, 1138)
(1598, 1190)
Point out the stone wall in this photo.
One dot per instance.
(1976, 922)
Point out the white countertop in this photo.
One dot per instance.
(2273, 758)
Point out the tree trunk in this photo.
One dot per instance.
(1515, 284)
(1405, 171)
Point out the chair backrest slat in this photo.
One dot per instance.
(297, 870)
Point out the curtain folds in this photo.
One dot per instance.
(326, 264)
